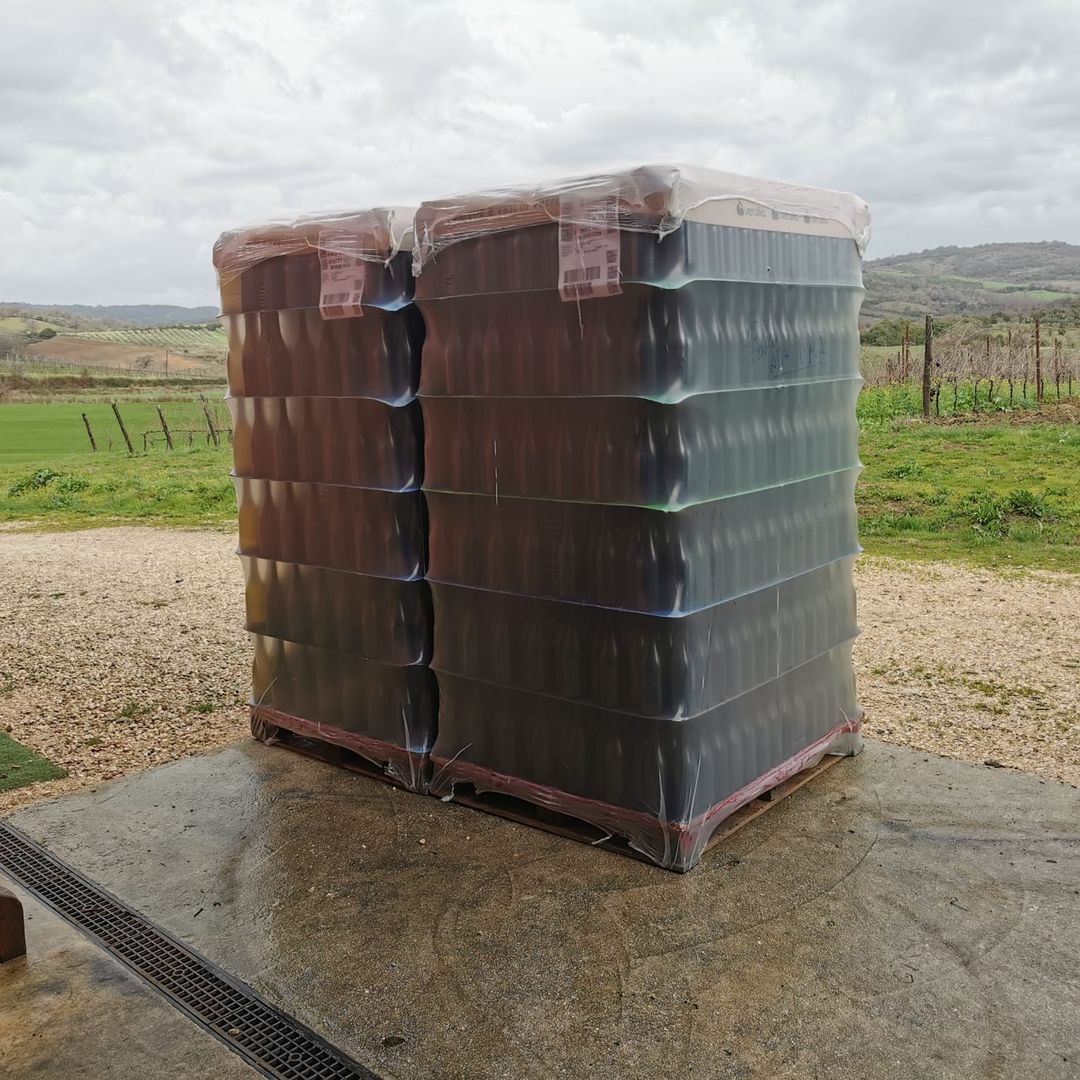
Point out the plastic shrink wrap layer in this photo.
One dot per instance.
(638, 452)
(639, 419)
(637, 558)
(668, 666)
(323, 368)
(663, 785)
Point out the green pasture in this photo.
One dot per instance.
(992, 491)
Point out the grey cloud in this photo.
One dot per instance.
(120, 162)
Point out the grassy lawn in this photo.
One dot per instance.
(188, 487)
(37, 432)
(996, 493)
(993, 494)
(20, 766)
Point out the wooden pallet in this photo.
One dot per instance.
(747, 812)
(308, 745)
(539, 817)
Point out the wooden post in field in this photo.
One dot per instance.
(90, 432)
(927, 367)
(1038, 364)
(209, 420)
(165, 428)
(905, 366)
(1057, 368)
(123, 430)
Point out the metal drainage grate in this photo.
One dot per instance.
(275, 1044)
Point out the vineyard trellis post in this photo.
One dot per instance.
(165, 428)
(123, 430)
(210, 420)
(90, 432)
(1038, 365)
(928, 363)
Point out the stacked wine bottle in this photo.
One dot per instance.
(640, 489)
(323, 369)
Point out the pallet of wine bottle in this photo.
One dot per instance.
(638, 399)
(323, 370)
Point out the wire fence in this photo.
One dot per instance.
(14, 362)
(965, 366)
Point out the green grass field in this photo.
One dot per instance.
(34, 432)
(11, 324)
(20, 766)
(183, 487)
(994, 493)
(1028, 291)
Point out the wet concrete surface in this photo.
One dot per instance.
(67, 1009)
(901, 916)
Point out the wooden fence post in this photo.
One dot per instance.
(1038, 364)
(928, 363)
(165, 428)
(123, 430)
(210, 420)
(90, 432)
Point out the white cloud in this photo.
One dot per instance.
(133, 132)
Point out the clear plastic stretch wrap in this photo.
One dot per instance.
(638, 396)
(651, 199)
(323, 369)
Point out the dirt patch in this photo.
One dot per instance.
(1052, 411)
(113, 355)
(124, 648)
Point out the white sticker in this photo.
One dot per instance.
(342, 284)
(588, 247)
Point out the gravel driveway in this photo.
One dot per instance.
(122, 648)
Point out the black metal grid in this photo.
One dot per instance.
(265, 1037)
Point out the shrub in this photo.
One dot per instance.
(1026, 504)
(64, 483)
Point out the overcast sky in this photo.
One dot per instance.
(133, 131)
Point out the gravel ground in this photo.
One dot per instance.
(123, 648)
(972, 664)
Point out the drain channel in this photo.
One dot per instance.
(266, 1038)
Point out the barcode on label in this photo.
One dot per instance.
(588, 247)
(584, 289)
(581, 273)
(342, 284)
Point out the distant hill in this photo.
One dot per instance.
(972, 280)
(85, 316)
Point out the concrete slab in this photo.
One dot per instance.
(902, 916)
(70, 1010)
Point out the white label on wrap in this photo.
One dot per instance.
(588, 247)
(342, 284)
